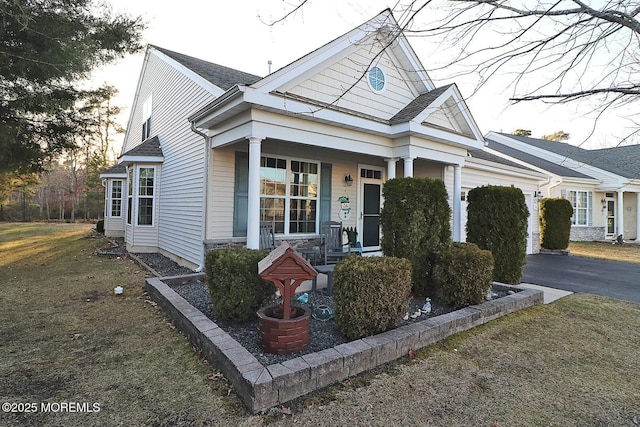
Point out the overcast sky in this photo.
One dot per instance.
(235, 34)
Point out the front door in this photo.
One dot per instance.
(371, 203)
(611, 218)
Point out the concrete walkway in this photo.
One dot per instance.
(550, 294)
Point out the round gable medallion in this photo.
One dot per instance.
(376, 79)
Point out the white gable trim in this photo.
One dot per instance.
(451, 92)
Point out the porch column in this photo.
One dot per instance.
(408, 167)
(620, 213)
(391, 168)
(253, 196)
(457, 193)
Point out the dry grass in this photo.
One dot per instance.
(66, 337)
(629, 252)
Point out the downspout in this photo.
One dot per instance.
(206, 192)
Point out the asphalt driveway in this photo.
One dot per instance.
(578, 274)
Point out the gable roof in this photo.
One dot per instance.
(221, 76)
(533, 160)
(623, 161)
(485, 155)
(417, 106)
(149, 151)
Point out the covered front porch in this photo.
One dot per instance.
(298, 186)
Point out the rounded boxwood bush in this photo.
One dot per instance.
(237, 291)
(371, 294)
(463, 273)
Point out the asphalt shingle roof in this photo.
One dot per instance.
(415, 107)
(221, 76)
(119, 168)
(534, 160)
(149, 148)
(623, 161)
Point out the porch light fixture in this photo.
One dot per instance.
(604, 204)
(537, 194)
(348, 180)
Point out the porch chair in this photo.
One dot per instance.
(267, 235)
(333, 249)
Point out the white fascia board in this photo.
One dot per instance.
(232, 98)
(323, 140)
(141, 159)
(429, 153)
(559, 159)
(489, 166)
(113, 175)
(198, 79)
(444, 136)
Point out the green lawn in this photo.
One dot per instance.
(67, 338)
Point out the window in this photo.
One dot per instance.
(145, 196)
(146, 118)
(116, 198)
(376, 79)
(580, 202)
(370, 173)
(289, 194)
(129, 194)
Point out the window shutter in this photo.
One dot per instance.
(563, 194)
(241, 195)
(590, 209)
(325, 192)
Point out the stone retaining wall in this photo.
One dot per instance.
(262, 387)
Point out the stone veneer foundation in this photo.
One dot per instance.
(261, 387)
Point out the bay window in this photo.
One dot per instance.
(116, 198)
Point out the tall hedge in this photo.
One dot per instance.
(237, 291)
(415, 225)
(555, 223)
(497, 221)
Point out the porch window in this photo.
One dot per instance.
(289, 194)
(146, 180)
(116, 198)
(580, 202)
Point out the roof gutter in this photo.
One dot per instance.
(226, 97)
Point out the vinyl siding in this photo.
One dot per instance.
(331, 83)
(181, 185)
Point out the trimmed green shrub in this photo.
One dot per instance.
(415, 225)
(371, 294)
(463, 273)
(555, 223)
(497, 221)
(100, 226)
(237, 291)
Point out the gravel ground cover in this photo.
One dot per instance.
(324, 334)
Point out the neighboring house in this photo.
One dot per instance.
(603, 185)
(210, 152)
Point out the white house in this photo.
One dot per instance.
(210, 151)
(602, 185)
